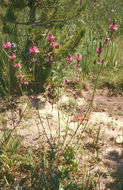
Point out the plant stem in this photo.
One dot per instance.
(90, 106)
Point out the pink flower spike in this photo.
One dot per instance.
(7, 45)
(78, 57)
(17, 65)
(26, 82)
(99, 62)
(69, 59)
(113, 27)
(12, 57)
(33, 50)
(99, 50)
(51, 38)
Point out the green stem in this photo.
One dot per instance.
(90, 106)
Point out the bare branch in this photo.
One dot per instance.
(39, 23)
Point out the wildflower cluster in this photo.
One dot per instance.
(33, 50)
(112, 28)
(10, 49)
(99, 50)
(53, 44)
(70, 59)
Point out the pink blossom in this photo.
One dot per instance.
(99, 62)
(99, 50)
(77, 65)
(21, 76)
(67, 80)
(69, 59)
(4, 107)
(55, 44)
(113, 27)
(21, 113)
(31, 97)
(33, 50)
(7, 45)
(14, 45)
(4, 45)
(17, 65)
(49, 59)
(26, 82)
(78, 69)
(51, 38)
(107, 41)
(78, 57)
(12, 57)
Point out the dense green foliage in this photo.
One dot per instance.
(29, 23)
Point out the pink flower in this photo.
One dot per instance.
(78, 69)
(99, 50)
(4, 107)
(4, 45)
(99, 62)
(113, 27)
(55, 44)
(12, 57)
(67, 80)
(78, 57)
(17, 65)
(51, 38)
(107, 41)
(33, 50)
(31, 97)
(69, 59)
(14, 45)
(21, 76)
(21, 113)
(7, 45)
(49, 59)
(26, 82)
(77, 65)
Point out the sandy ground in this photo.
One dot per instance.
(44, 120)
